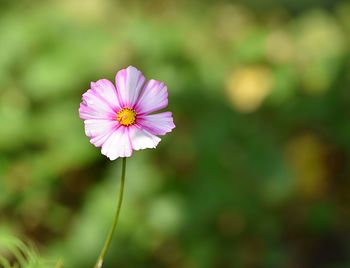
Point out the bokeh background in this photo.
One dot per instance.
(256, 173)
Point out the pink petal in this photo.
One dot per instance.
(87, 112)
(98, 130)
(98, 141)
(117, 144)
(157, 124)
(154, 97)
(107, 91)
(129, 84)
(99, 102)
(142, 139)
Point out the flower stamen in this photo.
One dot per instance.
(126, 117)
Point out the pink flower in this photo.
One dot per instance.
(120, 118)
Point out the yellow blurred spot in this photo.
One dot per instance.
(306, 155)
(233, 21)
(320, 44)
(248, 87)
(279, 47)
(87, 11)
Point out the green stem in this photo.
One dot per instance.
(104, 250)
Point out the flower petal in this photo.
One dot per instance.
(107, 91)
(129, 84)
(96, 127)
(142, 139)
(87, 112)
(99, 102)
(98, 141)
(154, 97)
(157, 124)
(117, 144)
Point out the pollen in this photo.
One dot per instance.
(126, 117)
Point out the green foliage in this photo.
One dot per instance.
(255, 173)
(16, 254)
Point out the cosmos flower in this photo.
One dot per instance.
(120, 118)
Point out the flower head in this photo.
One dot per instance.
(119, 118)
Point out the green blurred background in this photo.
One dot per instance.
(256, 173)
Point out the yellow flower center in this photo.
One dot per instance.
(126, 117)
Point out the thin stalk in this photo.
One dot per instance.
(104, 250)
